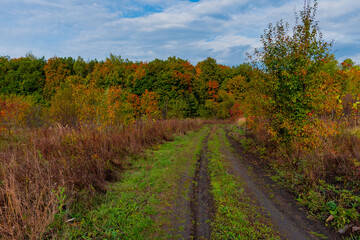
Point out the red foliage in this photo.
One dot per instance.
(149, 104)
(236, 111)
(213, 87)
(135, 102)
(184, 79)
(12, 113)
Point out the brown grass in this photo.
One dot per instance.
(334, 157)
(48, 164)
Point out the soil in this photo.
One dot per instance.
(201, 199)
(191, 216)
(292, 221)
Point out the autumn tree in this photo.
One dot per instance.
(177, 97)
(149, 105)
(13, 112)
(56, 71)
(290, 90)
(109, 73)
(115, 109)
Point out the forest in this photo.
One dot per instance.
(120, 89)
(70, 126)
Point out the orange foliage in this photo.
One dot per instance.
(149, 105)
(223, 67)
(187, 66)
(56, 72)
(101, 70)
(331, 90)
(140, 71)
(184, 79)
(198, 71)
(12, 113)
(115, 110)
(135, 102)
(213, 87)
(237, 86)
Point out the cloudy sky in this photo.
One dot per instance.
(142, 30)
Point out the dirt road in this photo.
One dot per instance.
(275, 204)
(280, 204)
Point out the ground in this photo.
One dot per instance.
(200, 186)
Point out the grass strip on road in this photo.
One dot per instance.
(236, 214)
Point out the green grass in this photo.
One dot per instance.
(141, 204)
(320, 236)
(236, 215)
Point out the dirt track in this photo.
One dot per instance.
(201, 200)
(283, 210)
(277, 204)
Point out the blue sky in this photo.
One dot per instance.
(142, 30)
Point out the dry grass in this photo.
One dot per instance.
(39, 170)
(241, 122)
(334, 156)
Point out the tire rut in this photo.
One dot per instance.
(201, 198)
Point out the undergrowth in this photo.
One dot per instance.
(43, 171)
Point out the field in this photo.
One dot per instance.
(116, 149)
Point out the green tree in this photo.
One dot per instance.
(290, 89)
(24, 76)
(80, 67)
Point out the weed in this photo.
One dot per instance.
(322, 236)
(246, 143)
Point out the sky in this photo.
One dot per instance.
(142, 30)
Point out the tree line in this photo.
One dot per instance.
(77, 89)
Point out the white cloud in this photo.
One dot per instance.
(339, 20)
(337, 8)
(226, 42)
(148, 29)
